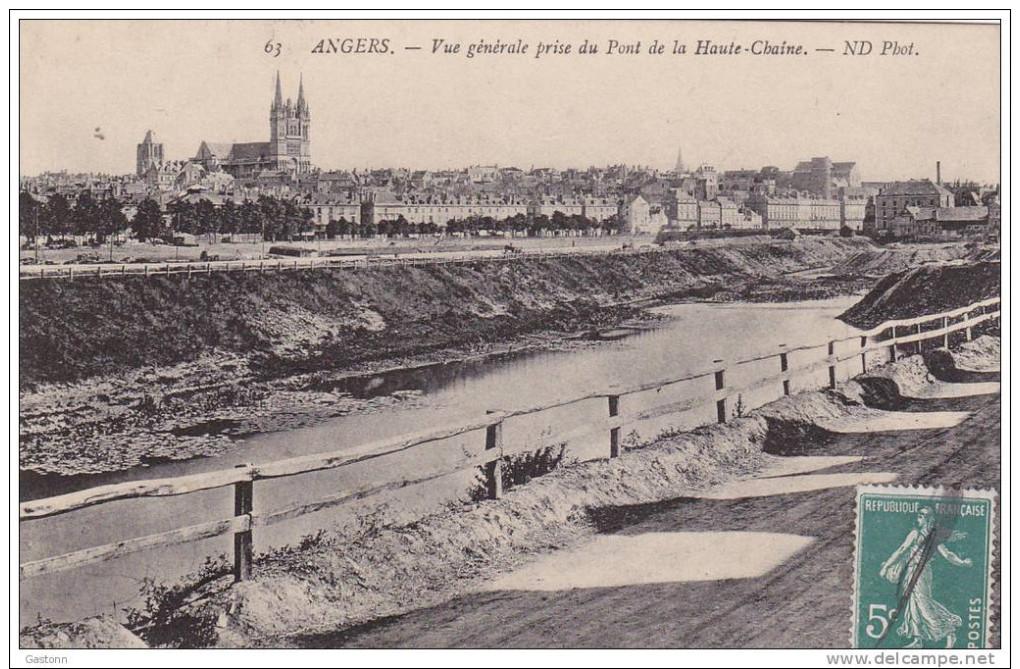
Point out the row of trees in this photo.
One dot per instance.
(96, 220)
(518, 225)
(537, 225)
(400, 227)
(272, 218)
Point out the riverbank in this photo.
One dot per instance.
(117, 374)
(201, 408)
(327, 318)
(313, 593)
(925, 290)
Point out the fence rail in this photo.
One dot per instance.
(196, 268)
(884, 337)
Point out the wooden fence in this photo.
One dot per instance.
(892, 337)
(195, 268)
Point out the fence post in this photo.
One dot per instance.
(494, 470)
(919, 340)
(864, 355)
(832, 365)
(70, 273)
(892, 346)
(970, 331)
(168, 269)
(945, 335)
(614, 431)
(784, 367)
(242, 540)
(720, 384)
(146, 270)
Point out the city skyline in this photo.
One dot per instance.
(507, 112)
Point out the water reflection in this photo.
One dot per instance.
(691, 337)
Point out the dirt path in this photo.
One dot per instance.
(797, 557)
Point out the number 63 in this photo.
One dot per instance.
(272, 48)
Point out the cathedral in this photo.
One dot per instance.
(287, 151)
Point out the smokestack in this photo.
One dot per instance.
(938, 172)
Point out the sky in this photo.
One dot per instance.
(188, 81)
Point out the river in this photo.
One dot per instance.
(689, 338)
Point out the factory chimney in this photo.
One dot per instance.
(938, 172)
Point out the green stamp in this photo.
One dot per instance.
(922, 567)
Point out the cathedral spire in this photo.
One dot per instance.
(301, 92)
(278, 100)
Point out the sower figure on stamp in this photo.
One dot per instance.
(923, 618)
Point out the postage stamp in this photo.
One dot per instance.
(922, 567)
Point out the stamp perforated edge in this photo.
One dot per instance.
(914, 491)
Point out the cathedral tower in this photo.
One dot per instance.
(150, 152)
(289, 142)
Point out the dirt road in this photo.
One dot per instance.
(789, 582)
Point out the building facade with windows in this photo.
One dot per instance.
(895, 197)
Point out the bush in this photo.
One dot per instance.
(519, 469)
(165, 620)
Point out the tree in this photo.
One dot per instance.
(332, 229)
(110, 221)
(340, 228)
(518, 224)
(559, 221)
(206, 218)
(290, 219)
(28, 217)
(250, 218)
(184, 217)
(271, 217)
(57, 216)
(539, 224)
(401, 226)
(148, 221)
(306, 219)
(615, 224)
(85, 215)
(229, 218)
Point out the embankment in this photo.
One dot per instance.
(117, 373)
(318, 319)
(925, 290)
(879, 261)
(332, 581)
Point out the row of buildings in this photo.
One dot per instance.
(818, 194)
(923, 210)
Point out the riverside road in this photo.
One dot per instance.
(764, 593)
(355, 261)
